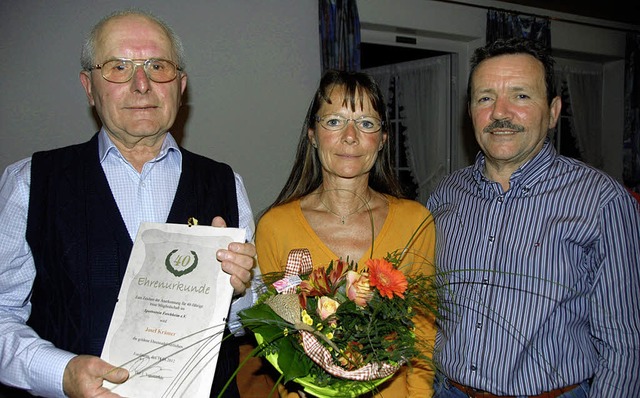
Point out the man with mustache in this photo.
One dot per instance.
(537, 254)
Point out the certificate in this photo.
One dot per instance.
(167, 326)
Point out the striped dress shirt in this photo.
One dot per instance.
(539, 285)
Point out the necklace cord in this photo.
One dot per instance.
(344, 217)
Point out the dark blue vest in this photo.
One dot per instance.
(80, 243)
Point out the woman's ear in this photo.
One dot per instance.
(383, 141)
(312, 137)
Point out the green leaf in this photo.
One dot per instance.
(257, 313)
(292, 361)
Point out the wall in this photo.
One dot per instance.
(253, 67)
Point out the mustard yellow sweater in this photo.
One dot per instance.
(284, 228)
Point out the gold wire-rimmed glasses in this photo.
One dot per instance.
(366, 124)
(121, 70)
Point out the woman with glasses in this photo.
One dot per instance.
(342, 200)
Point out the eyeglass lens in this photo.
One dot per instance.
(366, 124)
(121, 70)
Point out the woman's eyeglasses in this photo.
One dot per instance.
(366, 124)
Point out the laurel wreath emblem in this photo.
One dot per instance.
(171, 268)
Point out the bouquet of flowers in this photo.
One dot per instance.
(342, 329)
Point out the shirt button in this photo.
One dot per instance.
(491, 238)
(478, 325)
(500, 199)
(473, 368)
(485, 281)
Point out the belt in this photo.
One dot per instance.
(475, 393)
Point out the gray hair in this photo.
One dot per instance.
(87, 57)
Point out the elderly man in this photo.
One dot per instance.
(69, 215)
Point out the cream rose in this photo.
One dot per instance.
(327, 307)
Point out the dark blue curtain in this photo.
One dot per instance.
(339, 34)
(504, 24)
(631, 171)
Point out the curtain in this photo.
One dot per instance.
(339, 34)
(585, 110)
(423, 95)
(631, 172)
(504, 24)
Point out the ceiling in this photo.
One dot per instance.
(614, 10)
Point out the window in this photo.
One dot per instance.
(387, 64)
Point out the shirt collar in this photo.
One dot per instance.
(106, 146)
(527, 174)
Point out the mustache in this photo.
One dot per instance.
(503, 124)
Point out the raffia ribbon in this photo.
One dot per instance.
(299, 262)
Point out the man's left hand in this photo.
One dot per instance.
(238, 260)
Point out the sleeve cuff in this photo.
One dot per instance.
(47, 371)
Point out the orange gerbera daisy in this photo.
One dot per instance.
(387, 279)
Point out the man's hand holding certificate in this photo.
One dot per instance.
(172, 308)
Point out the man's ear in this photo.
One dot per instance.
(554, 111)
(183, 82)
(85, 80)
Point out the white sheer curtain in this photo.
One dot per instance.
(423, 91)
(584, 86)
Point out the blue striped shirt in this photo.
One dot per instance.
(26, 361)
(540, 285)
